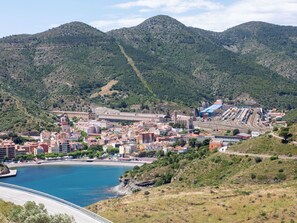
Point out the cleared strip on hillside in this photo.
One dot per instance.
(137, 72)
(106, 90)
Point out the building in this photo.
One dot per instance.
(243, 136)
(31, 146)
(146, 138)
(44, 146)
(127, 149)
(255, 134)
(20, 152)
(45, 136)
(227, 139)
(215, 144)
(64, 147)
(212, 110)
(80, 115)
(38, 151)
(7, 149)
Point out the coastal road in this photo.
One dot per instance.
(20, 197)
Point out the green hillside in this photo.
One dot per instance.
(270, 45)
(291, 116)
(198, 67)
(160, 61)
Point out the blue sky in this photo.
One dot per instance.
(32, 16)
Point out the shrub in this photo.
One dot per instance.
(253, 176)
(280, 177)
(258, 159)
(274, 158)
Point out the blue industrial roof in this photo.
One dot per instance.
(212, 108)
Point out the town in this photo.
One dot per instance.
(121, 136)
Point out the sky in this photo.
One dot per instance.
(33, 16)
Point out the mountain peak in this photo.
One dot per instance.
(72, 29)
(161, 21)
(252, 26)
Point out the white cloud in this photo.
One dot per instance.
(173, 6)
(106, 25)
(282, 12)
(216, 18)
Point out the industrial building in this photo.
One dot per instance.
(212, 110)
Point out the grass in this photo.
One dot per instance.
(217, 188)
(265, 145)
(221, 169)
(276, 203)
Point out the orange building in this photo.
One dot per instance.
(215, 144)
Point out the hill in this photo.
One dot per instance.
(211, 187)
(198, 67)
(281, 142)
(270, 45)
(160, 61)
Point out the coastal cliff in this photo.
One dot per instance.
(128, 186)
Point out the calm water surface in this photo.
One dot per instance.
(81, 185)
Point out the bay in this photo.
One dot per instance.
(81, 185)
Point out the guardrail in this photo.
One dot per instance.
(81, 209)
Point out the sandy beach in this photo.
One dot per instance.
(78, 162)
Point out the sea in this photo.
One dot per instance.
(81, 185)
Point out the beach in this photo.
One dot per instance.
(78, 162)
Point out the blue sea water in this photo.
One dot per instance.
(81, 185)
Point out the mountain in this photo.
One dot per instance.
(159, 61)
(199, 66)
(269, 45)
(59, 68)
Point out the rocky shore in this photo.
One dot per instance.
(4, 169)
(128, 186)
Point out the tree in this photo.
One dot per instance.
(112, 150)
(37, 213)
(75, 119)
(192, 142)
(96, 148)
(235, 132)
(285, 134)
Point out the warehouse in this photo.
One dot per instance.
(212, 110)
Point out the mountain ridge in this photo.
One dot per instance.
(62, 67)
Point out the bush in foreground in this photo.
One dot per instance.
(36, 213)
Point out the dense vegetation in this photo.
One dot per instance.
(29, 213)
(159, 61)
(166, 51)
(291, 116)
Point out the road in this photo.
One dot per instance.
(258, 155)
(20, 197)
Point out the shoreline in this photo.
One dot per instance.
(78, 163)
(12, 173)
